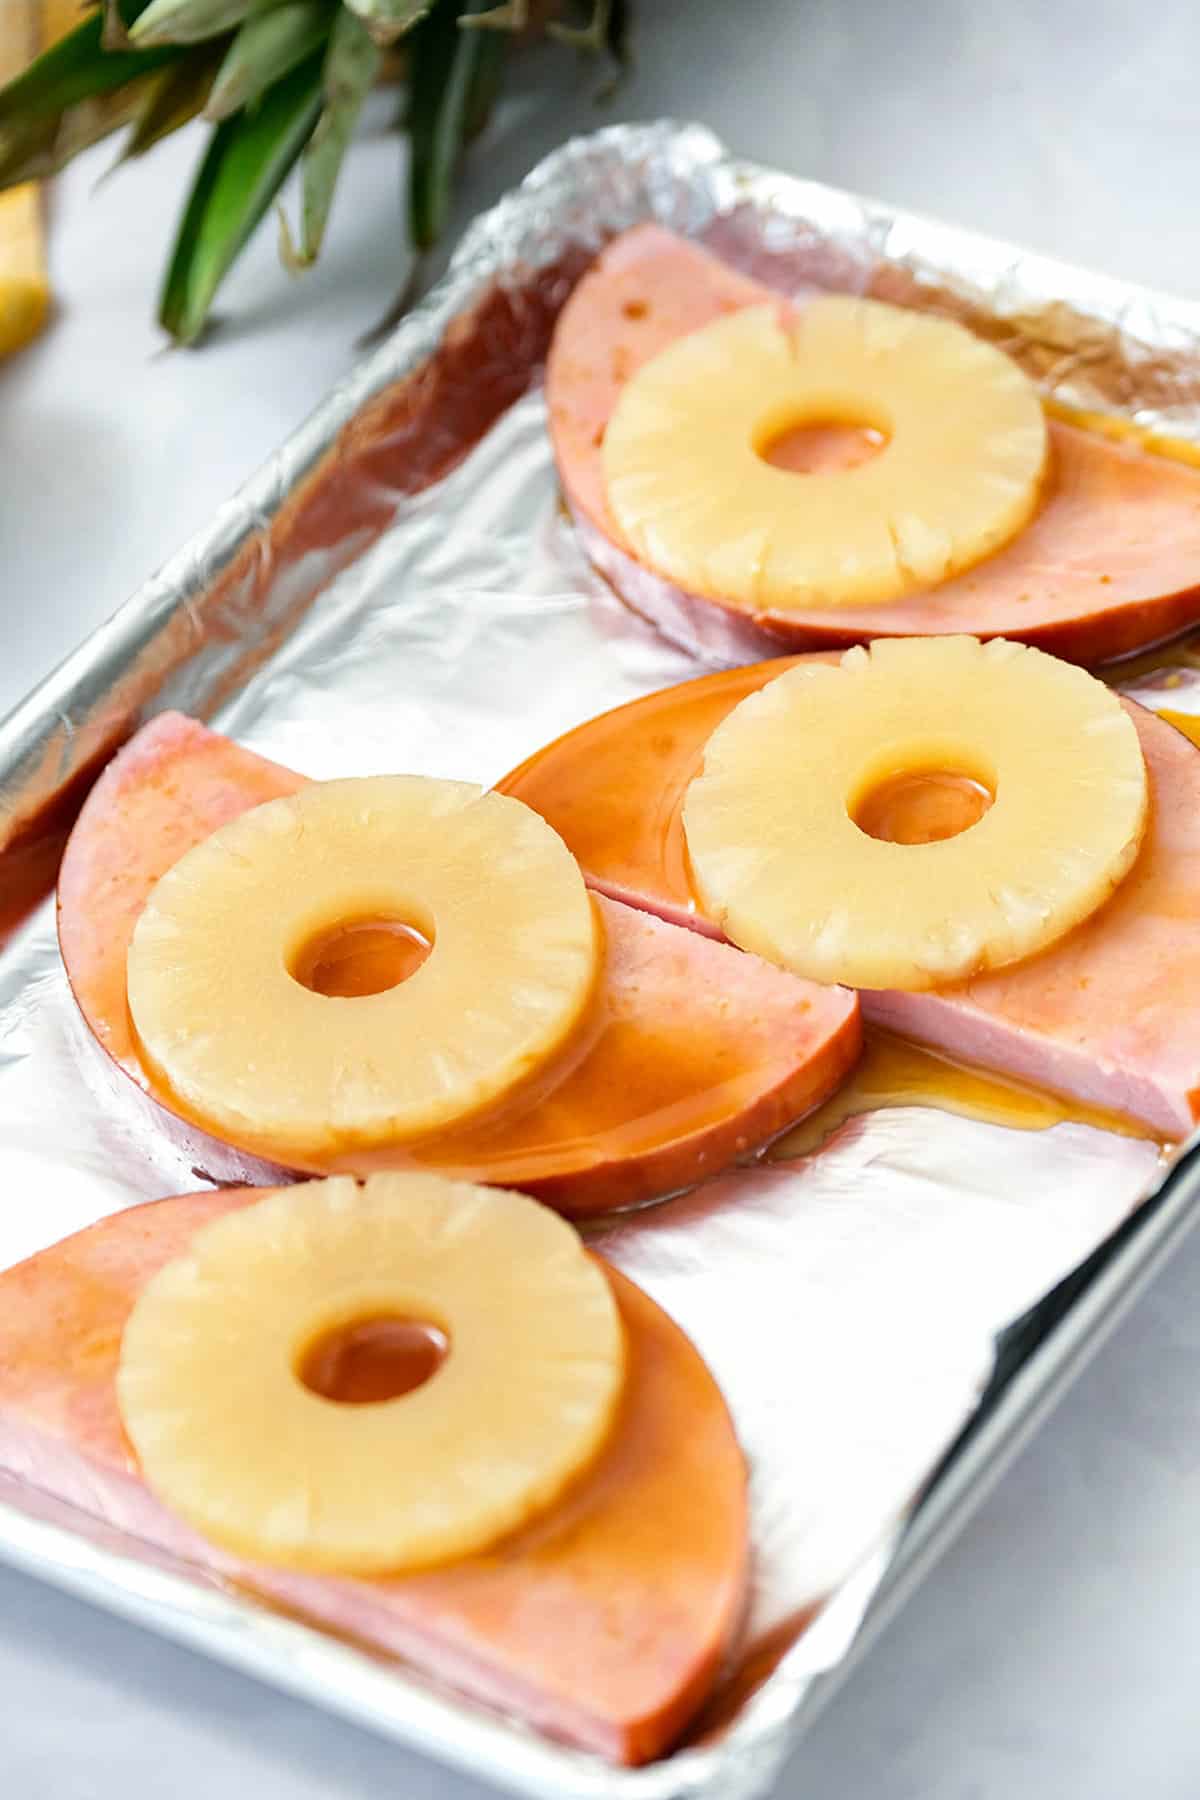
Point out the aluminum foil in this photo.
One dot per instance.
(400, 589)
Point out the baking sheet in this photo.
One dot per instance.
(401, 590)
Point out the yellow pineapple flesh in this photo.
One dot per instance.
(689, 483)
(24, 288)
(778, 823)
(218, 959)
(231, 1439)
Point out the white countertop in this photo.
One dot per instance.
(1053, 1652)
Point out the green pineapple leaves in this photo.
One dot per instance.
(35, 148)
(114, 32)
(351, 67)
(513, 16)
(177, 96)
(193, 21)
(70, 97)
(449, 71)
(267, 45)
(246, 163)
(389, 20)
(281, 79)
(74, 70)
(592, 36)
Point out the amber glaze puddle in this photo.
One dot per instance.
(1169, 660)
(923, 806)
(895, 1072)
(1126, 431)
(363, 957)
(372, 1360)
(1188, 723)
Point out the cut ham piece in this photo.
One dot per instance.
(700, 1054)
(603, 1623)
(1109, 1015)
(1110, 563)
(693, 1053)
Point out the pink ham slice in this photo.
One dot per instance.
(1110, 563)
(693, 1053)
(1109, 1015)
(603, 1624)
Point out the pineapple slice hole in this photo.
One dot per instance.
(923, 792)
(366, 1361)
(922, 806)
(357, 957)
(820, 443)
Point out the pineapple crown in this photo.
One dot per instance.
(281, 82)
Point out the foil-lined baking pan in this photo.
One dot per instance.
(400, 589)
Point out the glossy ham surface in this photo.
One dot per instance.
(602, 1624)
(1109, 1015)
(693, 1054)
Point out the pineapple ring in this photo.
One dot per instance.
(231, 1439)
(779, 862)
(223, 1021)
(959, 476)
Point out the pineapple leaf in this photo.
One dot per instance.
(618, 34)
(387, 20)
(264, 49)
(351, 65)
(176, 98)
(33, 148)
(444, 69)
(246, 163)
(487, 78)
(27, 150)
(512, 16)
(593, 36)
(114, 33)
(75, 69)
(192, 21)
(606, 31)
